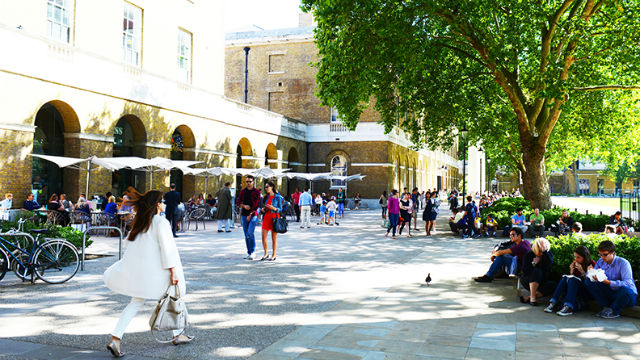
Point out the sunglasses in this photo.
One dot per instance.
(249, 181)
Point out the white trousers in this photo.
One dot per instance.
(305, 214)
(128, 314)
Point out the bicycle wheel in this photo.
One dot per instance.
(56, 261)
(21, 272)
(4, 263)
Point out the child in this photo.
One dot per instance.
(323, 212)
(490, 226)
(332, 206)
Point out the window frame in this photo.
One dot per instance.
(185, 74)
(135, 34)
(56, 11)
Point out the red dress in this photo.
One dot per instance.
(267, 219)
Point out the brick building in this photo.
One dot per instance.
(121, 78)
(280, 79)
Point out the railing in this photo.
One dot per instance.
(337, 127)
(84, 240)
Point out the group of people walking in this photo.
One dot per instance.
(402, 209)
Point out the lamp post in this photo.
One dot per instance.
(464, 132)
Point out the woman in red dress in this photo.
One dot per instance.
(271, 210)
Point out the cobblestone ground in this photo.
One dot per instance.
(341, 292)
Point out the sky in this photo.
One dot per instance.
(267, 14)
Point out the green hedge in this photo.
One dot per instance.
(505, 208)
(562, 248)
(54, 231)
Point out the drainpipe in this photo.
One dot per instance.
(246, 72)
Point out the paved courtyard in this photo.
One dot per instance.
(341, 292)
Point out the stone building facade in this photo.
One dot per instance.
(281, 79)
(125, 78)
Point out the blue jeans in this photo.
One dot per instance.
(503, 261)
(607, 297)
(341, 209)
(249, 227)
(571, 289)
(393, 222)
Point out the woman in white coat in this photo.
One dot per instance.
(151, 263)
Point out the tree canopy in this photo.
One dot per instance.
(538, 83)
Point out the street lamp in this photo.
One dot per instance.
(464, 132)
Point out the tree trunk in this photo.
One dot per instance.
(535, 180)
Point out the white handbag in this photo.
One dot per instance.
(170, 313)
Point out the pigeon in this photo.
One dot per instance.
(428, 279)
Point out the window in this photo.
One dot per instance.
(276, 63)
(132, 34)
(335, 118)
(59, 16)
(338, 168)
(184, 55)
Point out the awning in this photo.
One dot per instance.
(61, 161)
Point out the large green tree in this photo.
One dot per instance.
(535, 82)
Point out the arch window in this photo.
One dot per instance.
(338, 168)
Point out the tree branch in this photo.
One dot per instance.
(608, 87)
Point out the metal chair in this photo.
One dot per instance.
(81, 218)
(55, 217)
(196, 215)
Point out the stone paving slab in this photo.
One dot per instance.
(342, 292)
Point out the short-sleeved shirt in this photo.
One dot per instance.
(491, 222)
(519, 251)
(331, 206)
(519, 220)
(537, 220)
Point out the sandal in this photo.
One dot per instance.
(115, 349)
(182, 339)
(264, 257)
(271, 259)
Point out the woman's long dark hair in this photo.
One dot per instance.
(272, 185)
(586, 256)
(145, 205)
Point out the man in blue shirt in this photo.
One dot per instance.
(618, 290)
(518, 220)
(305, 202)
(30, 204)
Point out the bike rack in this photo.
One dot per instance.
(90, 229)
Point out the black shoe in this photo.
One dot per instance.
(483, 279)
(175, 236)
(220, 230)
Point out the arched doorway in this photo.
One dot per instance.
(182, 144)
(129, 138)
(338, 168)
(243, 149)
(270, 158)
(53, 120)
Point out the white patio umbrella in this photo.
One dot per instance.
(74, 163)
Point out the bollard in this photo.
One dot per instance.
(84, 240)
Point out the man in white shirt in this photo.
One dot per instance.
(305, 202)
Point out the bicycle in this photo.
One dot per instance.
(54, 261)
